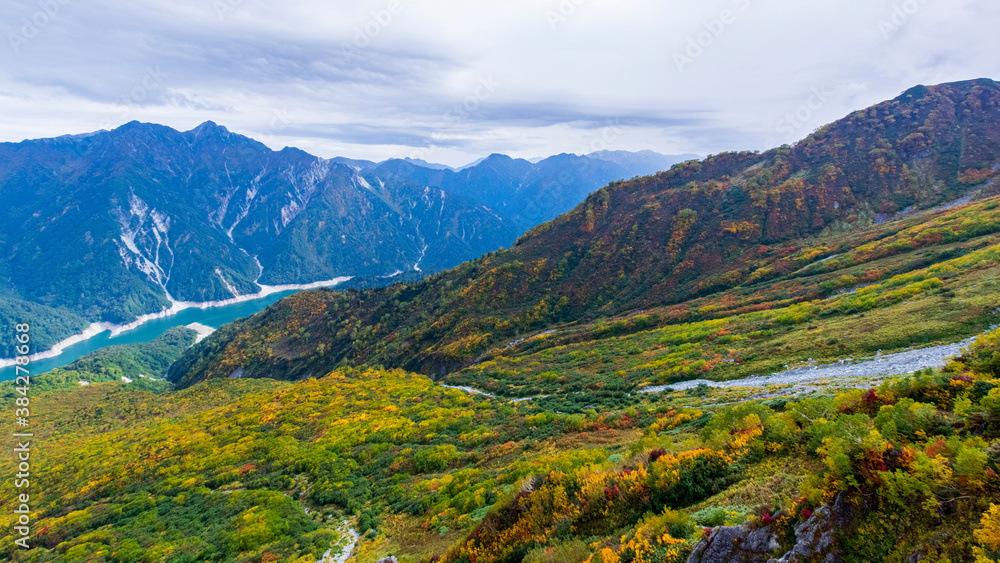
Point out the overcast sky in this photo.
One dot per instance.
(453, 80)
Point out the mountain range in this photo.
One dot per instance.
(784, 356)
(116, 224)
(732, 225)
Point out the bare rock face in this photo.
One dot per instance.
(815, 540)
(735, 544)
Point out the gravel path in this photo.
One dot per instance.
(883, 365)
(468, 390)
(346, 551)
(892, 364)
(475, 391)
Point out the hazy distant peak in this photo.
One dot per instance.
(210, 128)
(423, 163)
(473, 164)
(643, 162)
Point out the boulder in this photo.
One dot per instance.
(815, 540)
(735, 544)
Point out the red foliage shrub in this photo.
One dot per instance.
(611, 493)
(870, 398)
(938, 446)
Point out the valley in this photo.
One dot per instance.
(100, 335)
(788, 355)
(115, 227)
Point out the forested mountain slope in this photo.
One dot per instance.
(698, 242)
(532, 193)
(109, 226)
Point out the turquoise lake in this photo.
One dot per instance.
(214, 317)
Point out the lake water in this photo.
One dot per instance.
(214, 317)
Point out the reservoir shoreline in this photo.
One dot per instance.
(176, 308)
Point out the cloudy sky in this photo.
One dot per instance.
(453, 80)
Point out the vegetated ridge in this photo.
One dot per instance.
(114, 225)
(872, 194)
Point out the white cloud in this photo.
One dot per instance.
(380, 78)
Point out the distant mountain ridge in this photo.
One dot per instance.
(598, 392)
(642, 163)
(734, 222)
(112, 225)
(531, 193)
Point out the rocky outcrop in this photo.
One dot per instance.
(736, 544)
(815, 540)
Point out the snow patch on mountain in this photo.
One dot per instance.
(359, 181)
(423, 252)
(140, 242)
(229, 287)
(290, 211)
(260, 269)
(251, 195)
(304, 187)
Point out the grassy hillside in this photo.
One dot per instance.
(909, 468)
(261, 470)
(258, 470)
(699, 242)
(927, 279)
